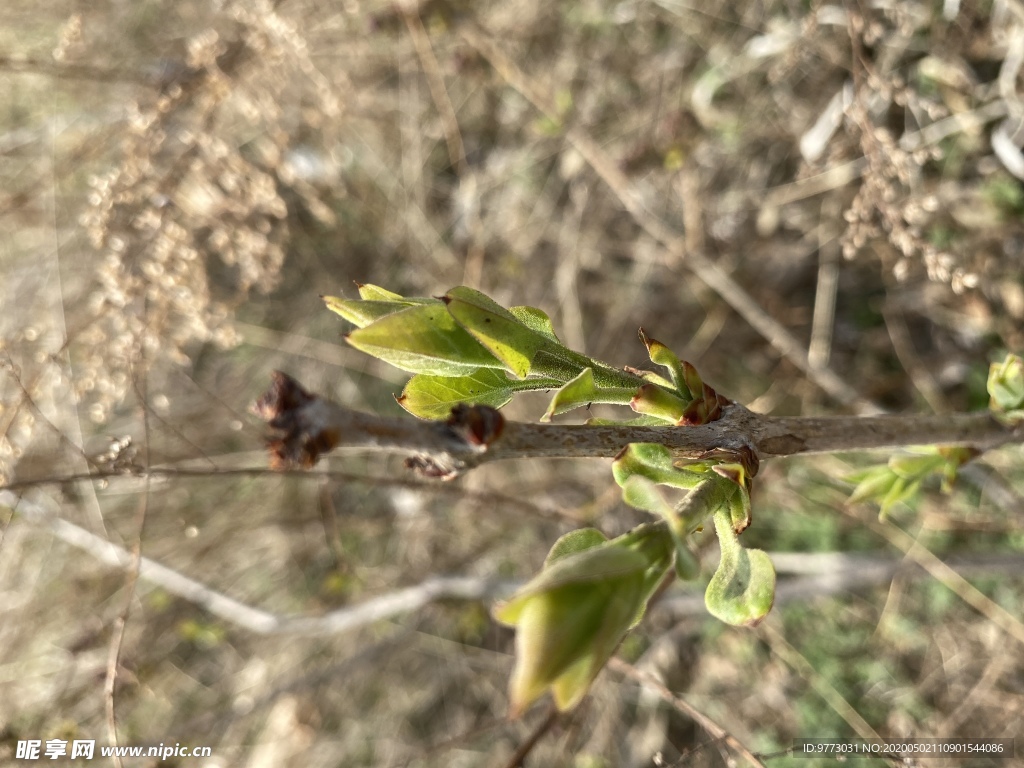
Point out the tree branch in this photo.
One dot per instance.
(817, 574)
(307, 426)
(379, 608)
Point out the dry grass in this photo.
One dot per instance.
(178, 186)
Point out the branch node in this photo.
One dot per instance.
(300, 430)
(478, 426)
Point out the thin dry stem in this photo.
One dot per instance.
(648, 680)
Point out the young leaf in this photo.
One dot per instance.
(423, 339)
(361, 312)
(370, 292)
(536, 320)
(652, 400)
(639, 421)
(653, 461)
(573, 542)
(582, 391)
(687, 563)
(641, 493)
(902, 491)
(742, 590)
(1006, 385)
(506, 336)
(872, 484)
(739, 509)
(665, 357)
(571, 616)
(433, 397)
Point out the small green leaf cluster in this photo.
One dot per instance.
(742, 590)
(1006, 388)
(465, 348)
(899, 481)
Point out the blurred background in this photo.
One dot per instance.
(819, 205)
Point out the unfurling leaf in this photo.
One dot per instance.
(900, 479)
(573, 542)
(872, 484)
(582, 391)
(653, 461)
(653, 400)
(742, 590)
(665, 357)
(641, 493)
(1006, 386)
(570, 617)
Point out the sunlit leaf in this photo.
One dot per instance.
(506, 336)
(665, 357)
(638, 421)
(433, 397)
(370, 292)
(653, 400)
(423, 339)
(361, 313)
(536, 320)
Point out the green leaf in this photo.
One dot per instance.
(590, 564)
(665, 357)
(573, 542)
(742, 590)
(641, 493)
(710, 495)
(1006, 384)
(361, 313)
(687, 563)
(739, 509)
(655, 462)
(433, 397)
(572, 616)
(912, 467)
(370, 292)
(423, 339)
(901, 492)
(639, 421)
(872, 484)
(657, 546)
(536, 320)
(565, 635)
(582, 391)
(506, 336)
(653, 400)
(655, 378)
